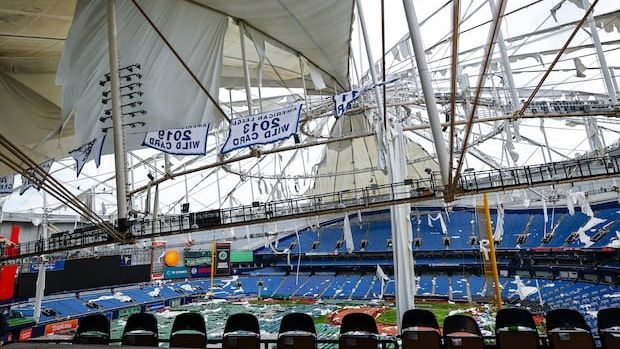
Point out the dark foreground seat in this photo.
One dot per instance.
(297, 331)
(609, 327)
(93, 329)
(141, 330)
(188, 331)
(462, 332)
(358, 331)
(241, 332)
(567, 329)
(420, 330)
(515, 329)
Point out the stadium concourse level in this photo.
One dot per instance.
(372, 197)
(514, 328)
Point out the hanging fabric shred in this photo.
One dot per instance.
(348, 235)
(570, 204)
(147, 200)
(359, 218)
(316, 77)
(526, 199)
(404, 49)
(396, 53)
(383, 278)
(286, 251)
(509, 145)
(578, 198)
(499, 225)
(259, 43)
(580, 68)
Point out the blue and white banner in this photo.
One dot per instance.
(264, 128)
(179, 141)
(27, 184)
(342, 101)
(6, 184)
(81, 155)
(49, 266)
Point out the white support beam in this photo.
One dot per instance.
(120, 161)
(427, 89)
(600, 55)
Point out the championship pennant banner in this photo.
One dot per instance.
(264, 128)
(179, 141)
(6, 184)
(343, 101)
(27, 183)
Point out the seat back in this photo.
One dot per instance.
(608, 318)
(298, 322)
(515, 329)
(419, 318)
(358, 322)
(93, 329)
(242, 331)
(420, 330)
(297, 331)
(462, 332)
(188, 331)
(567, 329)
(358, 331)
(609, 327)
(141, 330)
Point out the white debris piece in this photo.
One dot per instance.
(118, 296)
(187, 287)
(522, 290)
(155, 292)
(583, 237)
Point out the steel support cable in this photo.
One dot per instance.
(445, 39)
(526, 104)
(34, 167)
(70, 202)
(481, 79)
(178, 57)
(34, 170)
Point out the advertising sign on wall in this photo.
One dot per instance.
(25, 334)
(155, 307)
(196, 258)
(126, 260)
(126, 312)
(49, 266)
(61, 327)
(198, 272)
(175, 273)
(222, 259)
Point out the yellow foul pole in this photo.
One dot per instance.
(212, 266)
(487, 215)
